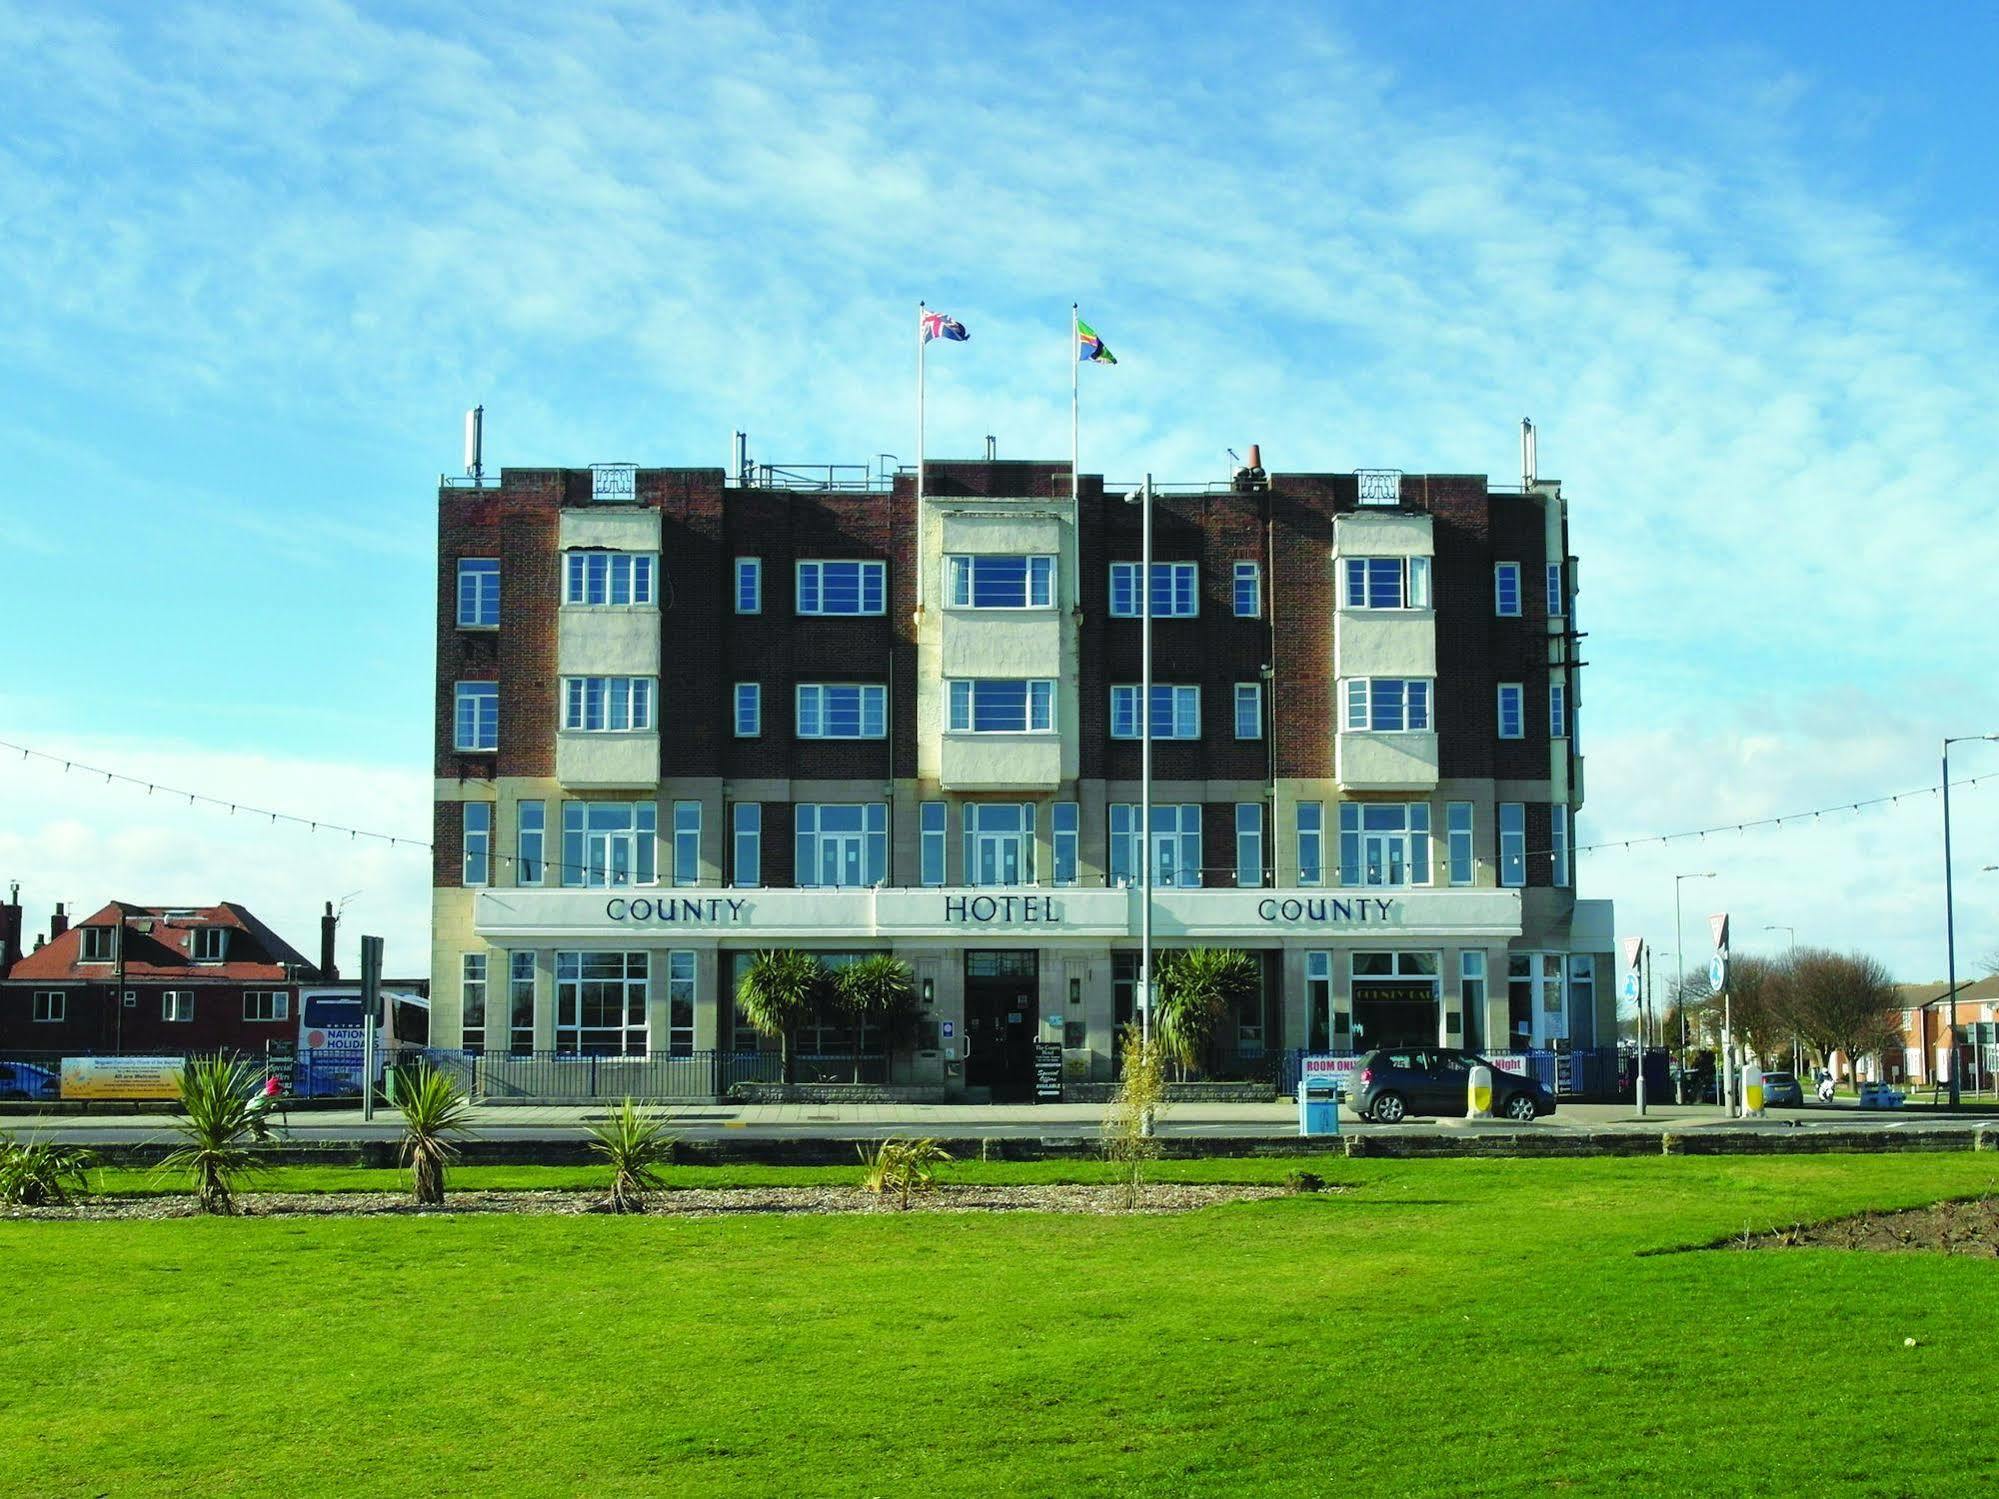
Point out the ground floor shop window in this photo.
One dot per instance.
(520, 1002)
(1395, 999)
(828, 1033)
(1534, 999)
(1320, 1023)
(600, 1003)
(1582, 999)
(1471, 994)
(472, 1002)
(1246, 1032)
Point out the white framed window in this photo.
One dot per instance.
(600, 1003)
(1002, 705)
(1248, 844)
(747, 835)
(1384, 843)
(1512, 711)
(208, 944)
(478, 841)
(472, 1002)
(1471, 993)
(476, 719)
(1558, 711)
(608, 705)
(843, 588)
(1066, 825)
(841, 844)
(608, 844)
(680, 1003)
(1176, 712)
(1558, 841)
(1249, 710)
(51, 1007)
(1513, 844)
(478, 593)
(1176, 843)
(1506, 589)
(1310, 823)
(96, 944)
(981, 581)
(749, 710)
(1388, 705)
(999, 843)
(1557, 605)
(1319, 999)
(1249, 590)
(1460, 851)
(842, 710)
(266, 1005)
(608, 580)
(520, 1003)
(530, 841)
(1176, 590)
(687, 843)
(1386, 583)
(749, 585)
(177, 1006)
(932, 829)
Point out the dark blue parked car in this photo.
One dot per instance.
(24, 1080)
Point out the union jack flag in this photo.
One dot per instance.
(936, 325)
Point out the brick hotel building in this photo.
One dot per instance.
(683, 715)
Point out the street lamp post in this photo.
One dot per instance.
(1797, 1046)
(1680, 972)
(1950, 915)
(1142, 497)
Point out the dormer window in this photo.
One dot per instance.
(99, 944)
(207, 944)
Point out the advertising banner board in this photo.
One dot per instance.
(121, 1077)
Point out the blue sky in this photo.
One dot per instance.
(1737, 263)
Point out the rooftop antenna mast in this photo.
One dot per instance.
(475, 445)
(1528, 458)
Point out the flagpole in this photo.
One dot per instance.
(1075, 459)
(920, 342)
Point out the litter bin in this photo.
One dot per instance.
(1318, 1106)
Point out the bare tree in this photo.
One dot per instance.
(1845, 1002)
(1760, 1004)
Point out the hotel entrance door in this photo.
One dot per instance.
(1002, 1013)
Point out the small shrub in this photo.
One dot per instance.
(901, 1168)
(434, 1109)
(36, 1174)
(1304, 1181)
(634, 1147)
(215, 1124)
(1129, 1143)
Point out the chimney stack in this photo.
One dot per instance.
(58, 923)
(329, 924)
(10, 931)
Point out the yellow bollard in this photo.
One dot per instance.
(1752, 1092)
(1480, 1088)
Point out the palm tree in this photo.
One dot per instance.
(434, 1109)
(779, 989)
(1197, 988)
(880, 987)
(215, 1095)
(634, 1146)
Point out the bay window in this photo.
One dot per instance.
(1002, 705)
(996, 582)
(1387, 583)
(1388, 704)
(607, 705)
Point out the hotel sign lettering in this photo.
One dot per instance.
(1367, 908)
(1001, 910)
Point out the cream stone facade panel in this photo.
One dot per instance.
(1382, 533)
(621, 528)
(1386, 762)
(1001, 762)
(1385, 643)
(607, 761)
(608, 642)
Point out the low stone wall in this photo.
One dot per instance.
(1178, 1092)
(834, 1093)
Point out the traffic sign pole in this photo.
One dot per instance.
(371, 1015)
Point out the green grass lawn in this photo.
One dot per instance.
(1447, 1327)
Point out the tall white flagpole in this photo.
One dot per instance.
(921, 341)
(1075, 459)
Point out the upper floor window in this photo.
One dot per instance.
(1176, 590)
(930, 854)
(532, 832)
(177, 1005)
(1384, 843)
(983, 582)
(1248, 844)
(1556, 603)
(266, 1004)
(1387, 583)
(1558, 711)
(478, 842)
(687, 843)
(749, 710)
(1249, 710)
(842, 843)
(747, 827)
(97, 944)
(208, 944)
(1311, 843)
(1002, 705)
(842, 587)
(620, 580)
(999, 843)
(1558, 841)
(1458, 840)
(1506, 588)
(51, 1007)
(1513, 844)
(1512, 711)
(476, 723)
(478, 593)
(1176, 712)
(842, 710)
(1175, 841)
(607, 705)
(1249, 590)
(609, 843)
(1388, 704)
(749, 585)
(1065, 830)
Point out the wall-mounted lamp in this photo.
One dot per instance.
(929, 991)
(1075, 993)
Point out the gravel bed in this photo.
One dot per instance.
(1158, 1197)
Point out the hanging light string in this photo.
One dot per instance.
(398, 841)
